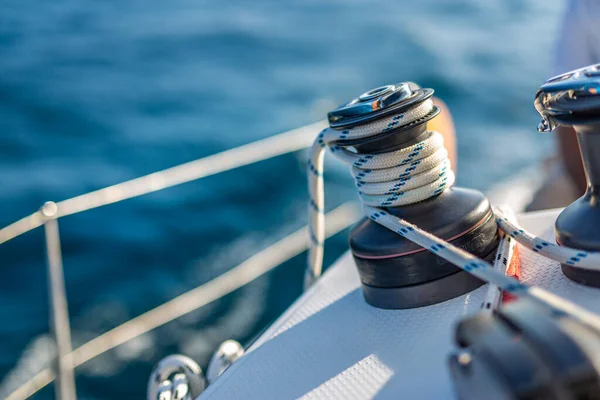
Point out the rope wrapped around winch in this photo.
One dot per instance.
(414, 174)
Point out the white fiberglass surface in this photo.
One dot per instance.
(332, 344)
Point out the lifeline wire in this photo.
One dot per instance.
(249, 270)
(388, 180)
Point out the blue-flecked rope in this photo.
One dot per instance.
(385, 179)
(384, 174)
(504, 255)
(564, 255)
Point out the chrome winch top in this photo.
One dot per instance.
(570, 98)
(377, 103)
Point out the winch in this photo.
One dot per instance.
(529, 349)
(573, 99)
(525, 351)
(401, 167)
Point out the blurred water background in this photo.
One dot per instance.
(94, 93)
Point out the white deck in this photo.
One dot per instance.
(332, 344)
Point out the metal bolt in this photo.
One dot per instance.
(377, 92)
(49, 209)
(464, 358)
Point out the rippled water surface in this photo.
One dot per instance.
(95, 93)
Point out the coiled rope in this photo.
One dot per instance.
(413, 174)
(390, 179)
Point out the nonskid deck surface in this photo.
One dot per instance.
(332, 344)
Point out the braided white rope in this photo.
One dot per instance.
(395, 178)
(564, 255)
(414, 174)
(504, 255)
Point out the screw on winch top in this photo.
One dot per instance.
(570, 99)
(379, 102)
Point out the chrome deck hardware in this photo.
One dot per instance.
(176, 377)
(227, 353)
(372, 104)
(573, 99)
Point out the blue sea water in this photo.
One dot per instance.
(98, 92)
